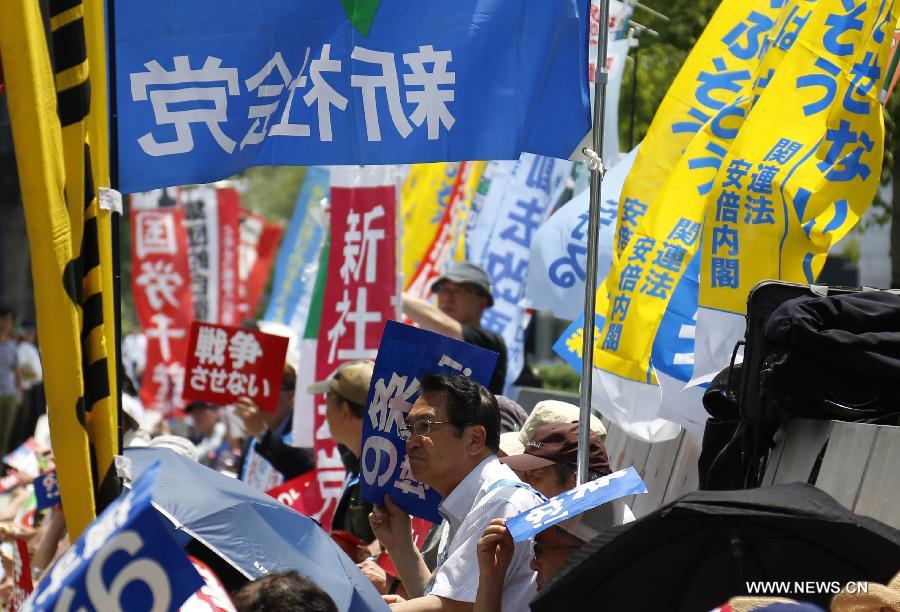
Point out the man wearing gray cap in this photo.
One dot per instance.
(463, 294)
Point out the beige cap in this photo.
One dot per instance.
(544, 413)
(351, 381)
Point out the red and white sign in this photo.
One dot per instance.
(225, 363)
(259, 240)
(161, 285)
(212, 222)
(300, 493)
(212, 596)
(22, 585)
(360, 297)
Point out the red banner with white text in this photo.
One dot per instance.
(212, 222)
(361, 291)
(21, 574)
(259, 239)
(161, 286)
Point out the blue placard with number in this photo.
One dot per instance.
(46, 490)
(405, 355)
(575, 501)
(124, 560)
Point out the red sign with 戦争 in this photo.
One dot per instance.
(225, 363)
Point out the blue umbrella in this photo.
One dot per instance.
(254, 533)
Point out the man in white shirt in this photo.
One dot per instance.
(452, 434)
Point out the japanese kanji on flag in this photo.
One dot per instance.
(161, 285)
(362, 288)
(225, 363)
(22, 585)
(294, 83)
(212, 217)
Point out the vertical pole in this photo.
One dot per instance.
(634, 87)
(590, 286)
(113, 122)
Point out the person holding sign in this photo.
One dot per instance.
(549, 461)
(345, 397)
(452, 435)
(463, 294)
(559, 526)
(551, 550)
(268, 430)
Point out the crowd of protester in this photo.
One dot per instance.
(483, 453)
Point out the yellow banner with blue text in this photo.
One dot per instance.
(663, 201)
(807, 164)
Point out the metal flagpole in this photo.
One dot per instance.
(590, 286)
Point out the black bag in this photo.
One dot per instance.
(811, 352)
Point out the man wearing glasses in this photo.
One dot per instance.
(463, 294)
(452, 435)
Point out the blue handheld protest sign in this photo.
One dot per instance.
(46, 490)
(575, 501)
(125, 559)
(405, 355)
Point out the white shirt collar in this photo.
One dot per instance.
(459, 503)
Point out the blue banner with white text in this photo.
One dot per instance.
(406, 354)
(299, 248)
(209, 87)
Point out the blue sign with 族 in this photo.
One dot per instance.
(406, 354)
(209, 87)
(125, 559)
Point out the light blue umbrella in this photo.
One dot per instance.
(254, 533)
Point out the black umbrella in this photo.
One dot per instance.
(703, 549)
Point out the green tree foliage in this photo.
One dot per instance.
(659, 59)
(272, 190)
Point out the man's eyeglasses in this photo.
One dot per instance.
(538, 549)
(419, 428)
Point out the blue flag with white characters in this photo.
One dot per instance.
(406, 354)
(575, 501)
(209, 87)
(299, 248)
(124, 560)
(46, 490)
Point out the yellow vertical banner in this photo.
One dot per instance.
(664, 197)
(39, 157)
(473, 173)
(425, 196)
(807, 164)
(77, 28)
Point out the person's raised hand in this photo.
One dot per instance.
(391, 525)
(376, 575)
(247, 410)
(393, 599)
(495, 551)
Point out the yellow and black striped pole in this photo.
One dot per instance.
(55, 256)
(78, 47)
